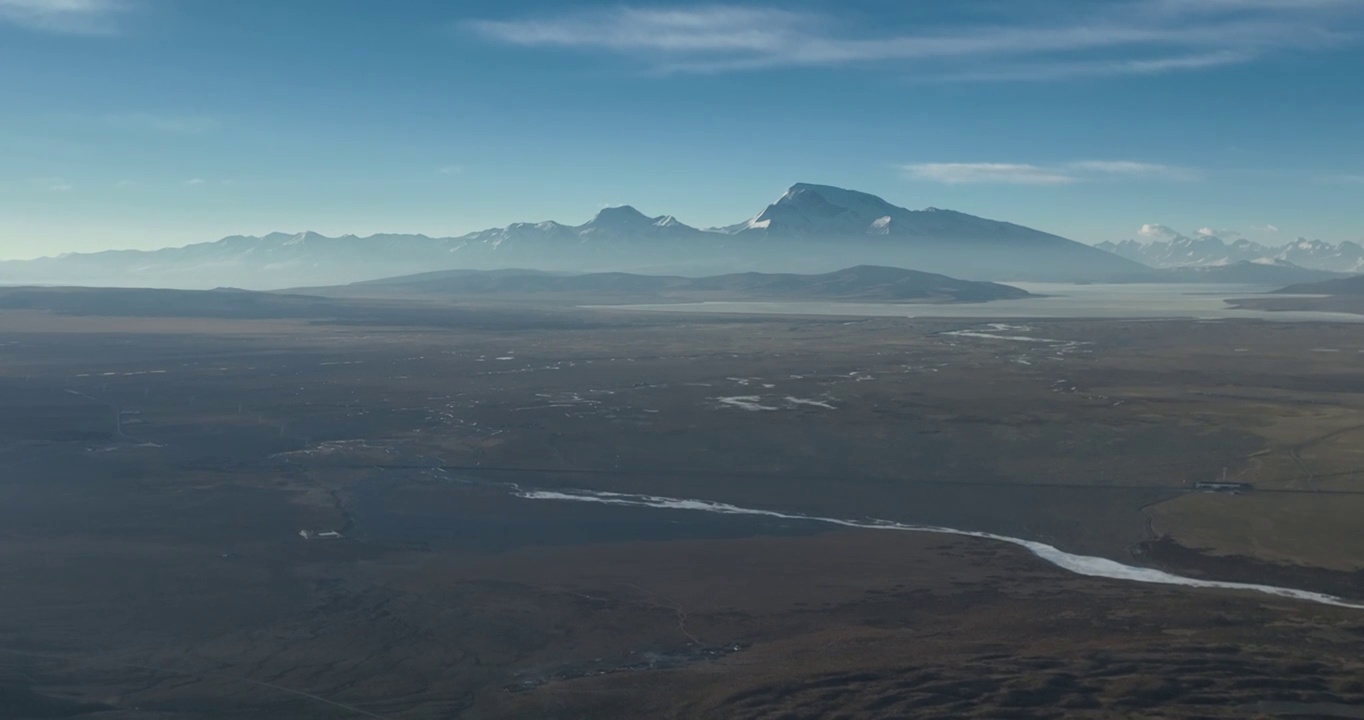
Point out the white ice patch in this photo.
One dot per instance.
(328, 447)
(1079, 564)
(806, 401)
(746, 402)
(997, 336)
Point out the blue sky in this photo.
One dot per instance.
(146, 123)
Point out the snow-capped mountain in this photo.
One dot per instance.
(1210, 250)
(1344, 257)
(819, 222)
(809, 229)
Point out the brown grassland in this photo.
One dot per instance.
(155, 474)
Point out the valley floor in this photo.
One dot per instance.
(158, 472)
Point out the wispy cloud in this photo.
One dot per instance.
(1026, 174)
(1224, 233)
(1024, 40)
(167, 124)
(54, 184)
(1071, 70)
(1129, 168)
(195, 182)
(73, 17)
(449, 169)
(998, 173)
(1156, 231)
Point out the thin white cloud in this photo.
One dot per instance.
(1196, 6)
(73, 17)
(1022, 41)
(450, 169)
(1079, 69)
(1028, 174)
(995, 173)
(1129, 168)
(164, 124)
(195, 182)
(54, 184)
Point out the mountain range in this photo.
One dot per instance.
(1177, 251)
(809, 229)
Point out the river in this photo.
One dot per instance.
(1079, 564)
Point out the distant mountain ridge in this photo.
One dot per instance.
(1211, 250)
(1277, 272)
(810, 229)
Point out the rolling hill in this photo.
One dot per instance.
(861, 283)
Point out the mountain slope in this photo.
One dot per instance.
(810, 229)
(1339, 286)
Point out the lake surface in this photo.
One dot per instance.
(1056, 300)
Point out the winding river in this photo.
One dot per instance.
(1078, 564)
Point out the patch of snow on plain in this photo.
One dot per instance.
(1079, 564)
(805, 401)
(746, 402)
(996, 336)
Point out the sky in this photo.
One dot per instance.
(152, 123)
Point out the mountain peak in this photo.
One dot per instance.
(624, 214)
(304, 237)
(810, 209)
(802, 192)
